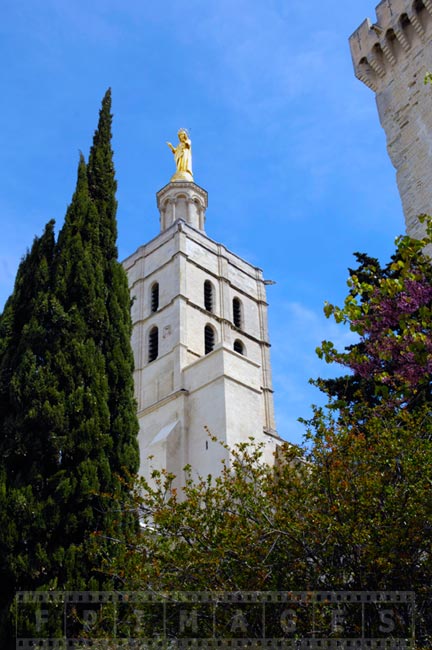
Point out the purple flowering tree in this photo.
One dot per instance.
(390, 309)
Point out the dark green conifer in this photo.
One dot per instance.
(117, 327)
(30, 425)
(84, 472)
(68, 421)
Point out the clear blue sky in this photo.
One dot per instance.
(286, 142)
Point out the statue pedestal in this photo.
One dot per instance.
(182, 199)
(182, 176)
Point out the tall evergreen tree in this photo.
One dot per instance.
(116, 329)
(29, 423)
(68, 421)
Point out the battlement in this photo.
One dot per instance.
(377, 47)
(392, 56)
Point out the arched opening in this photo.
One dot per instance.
(420, 14)
(181, 211)
(366, 73)
(237, 312)
(379, 59)
(238, 346)
(166, 214)
(392, 42)
(404, 21)
(199, 212)
(418, 6)
(407, 29)
(208, 296)
(209, 339)
(155, 296)
(153, 344)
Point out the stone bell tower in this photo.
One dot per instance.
(200, 341)
(392, 57)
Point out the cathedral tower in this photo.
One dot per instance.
(392, 57)
(200, 340)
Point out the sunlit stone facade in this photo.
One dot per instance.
(200, 340)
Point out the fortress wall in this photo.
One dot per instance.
(392, 57)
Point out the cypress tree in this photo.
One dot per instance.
(29, 424)
(68, 421)
(79, 364)
(116, 329)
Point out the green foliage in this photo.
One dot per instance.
(115, 324)
(67, 413)
(350, 511)
(353, 514)
(374, 441)
(390, 310)
(221, 533)
(28, 449)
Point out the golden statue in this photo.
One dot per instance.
(183, 157)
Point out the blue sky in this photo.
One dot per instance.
(285, 140)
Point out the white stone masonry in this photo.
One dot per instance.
(200, 341)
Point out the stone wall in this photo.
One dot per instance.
(392, 57)
(187, 389)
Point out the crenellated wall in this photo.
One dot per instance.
(392, 57)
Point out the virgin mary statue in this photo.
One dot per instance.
(183, 157)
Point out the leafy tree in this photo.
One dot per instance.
(352, 510)
(390, 310)
(240, 530)
(220, 533)
(374, 442)
(354, 514)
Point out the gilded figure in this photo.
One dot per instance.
(183, 157)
